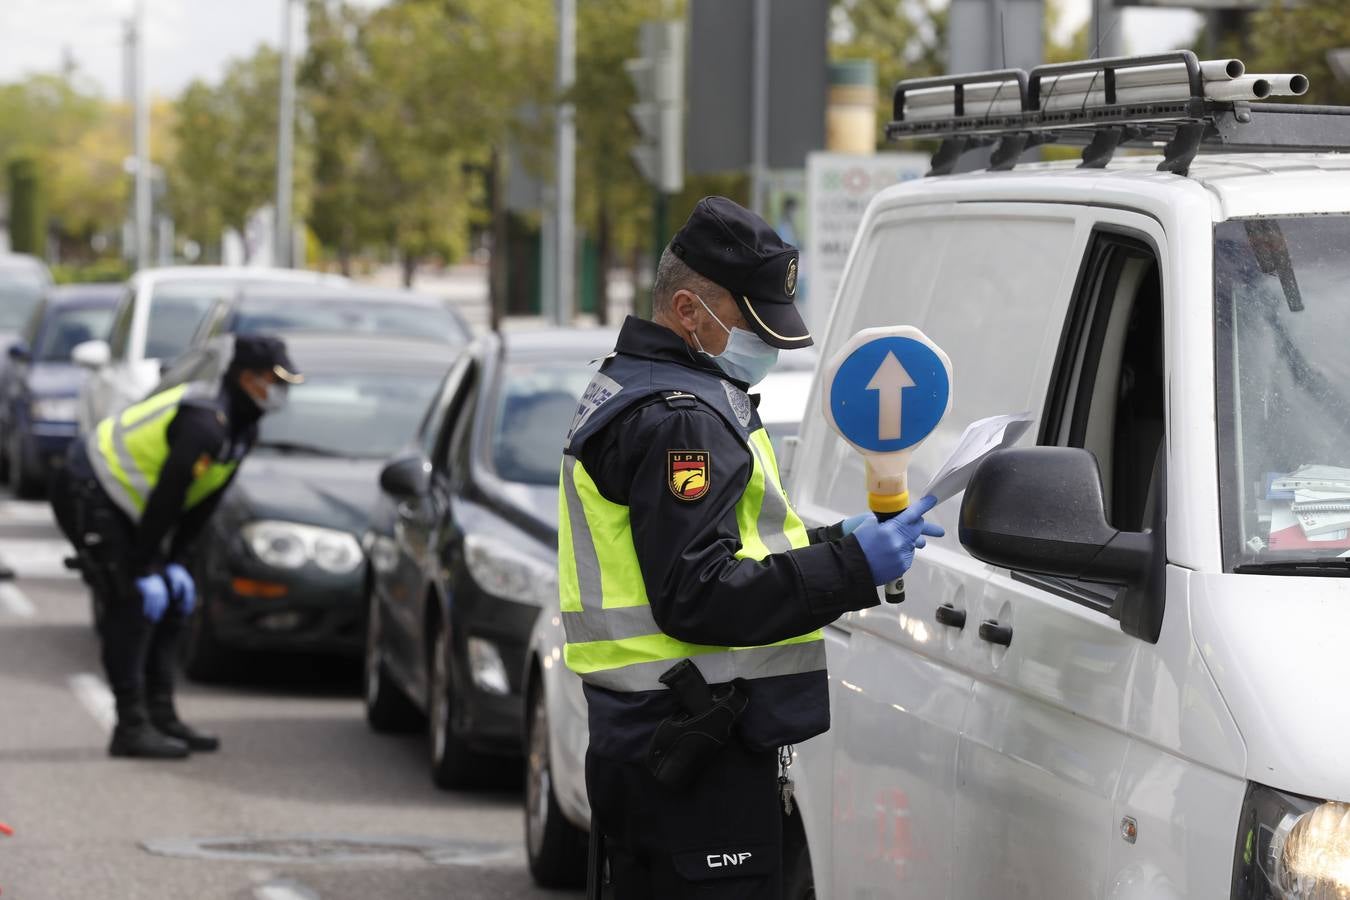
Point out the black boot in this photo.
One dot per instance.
(165, 719)
(134, 736)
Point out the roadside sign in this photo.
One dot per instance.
(887, 389)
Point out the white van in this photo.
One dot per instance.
(1129, 686)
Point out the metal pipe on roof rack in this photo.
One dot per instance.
(974, 93)
(1248, 87)
(1287, 85)
(947, 110)
(1214, 70)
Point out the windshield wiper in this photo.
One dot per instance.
(1332, 565)
(298, 447)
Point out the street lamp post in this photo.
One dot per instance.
(285, 141)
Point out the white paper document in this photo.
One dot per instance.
(979, 440)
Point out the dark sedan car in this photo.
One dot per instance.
(280, 565)
(41, 384)
(463, 551)
(297, 309)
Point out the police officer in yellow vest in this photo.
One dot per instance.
(692, 595)
(132, 498)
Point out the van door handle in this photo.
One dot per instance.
(995, 633)
(946, 614)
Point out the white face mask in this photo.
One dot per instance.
(746, 357)
(275, 398)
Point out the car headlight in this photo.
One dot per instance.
(55, 409)
(286, 545)
(1292, 848)
(503, 571)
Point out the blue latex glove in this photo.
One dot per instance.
(889, 546)
(851, 524)
(181, 587)
(154, 596)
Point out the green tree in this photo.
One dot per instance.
(335, 91)
(1286, 37)
(904, 38)
(225, 165)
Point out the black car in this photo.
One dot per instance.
(463, 551)
(308, 308)
(41, 384)
(280, 565)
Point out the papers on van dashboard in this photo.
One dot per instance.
(979, 440)
(1310, 507)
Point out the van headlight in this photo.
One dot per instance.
(1292, 848)
(287, 545)
(503, 571)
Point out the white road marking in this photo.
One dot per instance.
(95, 697)
(15, 511)
(284, 890)
(37, 557)
(14, 601)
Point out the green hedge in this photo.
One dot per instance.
(27, 222)
(98, 270)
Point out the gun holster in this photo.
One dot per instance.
(685, 741)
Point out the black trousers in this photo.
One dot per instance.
(139, 656)
(720, 838)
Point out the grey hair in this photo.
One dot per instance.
(673, 274)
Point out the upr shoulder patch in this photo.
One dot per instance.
(201, 465)
(688, 473)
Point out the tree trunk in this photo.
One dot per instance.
(603, 239)
(635, 264)
(409, 264)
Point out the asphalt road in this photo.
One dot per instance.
(302, 802)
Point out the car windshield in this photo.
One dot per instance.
(351, 414)
(19, 296)
(367, 316)
(1282, 329)
(535, 405)
(176, 309)
(69, 326)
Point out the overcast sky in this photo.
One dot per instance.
(194, 38)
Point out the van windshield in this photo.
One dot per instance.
(1282, 294)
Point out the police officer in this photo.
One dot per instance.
(692, 595)
(132, 499)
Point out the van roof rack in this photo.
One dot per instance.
(1013, 111)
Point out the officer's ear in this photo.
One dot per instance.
(686, 309)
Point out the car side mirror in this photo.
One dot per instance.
(1040, 510)
(91, 354)
(19, 352)
(407, 477)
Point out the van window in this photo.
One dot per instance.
(990, 289)
(1283, 378)
(1108, 395)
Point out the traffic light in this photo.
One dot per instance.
(658, 77)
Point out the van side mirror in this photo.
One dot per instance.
(19, 352)
(91, 354)
(407, 477)
(1040, 510)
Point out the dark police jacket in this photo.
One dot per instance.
(699, 592)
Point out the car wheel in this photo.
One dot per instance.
(453, 764)
(555, 847)
(204, 657)
(388, 709)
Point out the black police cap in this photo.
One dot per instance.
(263, 352)
(728, 244)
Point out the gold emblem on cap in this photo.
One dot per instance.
(790, 286)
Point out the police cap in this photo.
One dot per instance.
(264, 352)
(731, 246)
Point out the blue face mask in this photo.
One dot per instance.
(746, 357)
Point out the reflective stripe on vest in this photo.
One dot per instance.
(128, 450)
(613, 640)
